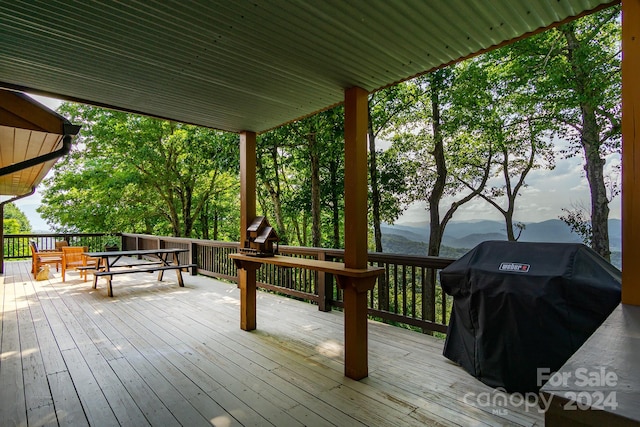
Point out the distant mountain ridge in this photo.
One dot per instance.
(467, 234)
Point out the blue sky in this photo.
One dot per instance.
(547, 193)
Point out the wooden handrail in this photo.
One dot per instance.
(337, 268)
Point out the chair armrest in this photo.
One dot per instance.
(49, 253)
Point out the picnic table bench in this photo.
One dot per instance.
(108, 260)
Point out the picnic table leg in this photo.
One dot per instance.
(178, 270)
(107, 268)
(163, 258)
(95, 278)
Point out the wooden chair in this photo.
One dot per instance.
(43, 257)
(73, 257)
(59, 244)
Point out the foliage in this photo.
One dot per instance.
(387, 185)
(513, 122)
(441, 153)
(111, 240)
(139, 174)
(300, 176)
(576, 219)
(575, 70)
(15, 221)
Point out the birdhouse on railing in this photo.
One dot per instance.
(261, 238)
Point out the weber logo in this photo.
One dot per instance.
(515, 267)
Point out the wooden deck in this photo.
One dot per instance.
(157, 354)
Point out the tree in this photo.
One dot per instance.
(384, 107)
(319, 134)
(441, 153)
(135, 173)
(518, 153)
(301, 180)
(511, 119)
(577, 220)
(576, 72)
(15, 221)
(268, 171)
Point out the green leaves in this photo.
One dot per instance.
(138, 174)
(15, 221)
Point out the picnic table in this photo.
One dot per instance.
(108, 264)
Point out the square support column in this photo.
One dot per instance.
(356, 194)
(630, 152)
(247, 274)
(356, 190)
(247, 284)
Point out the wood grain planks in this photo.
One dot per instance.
(157, 354)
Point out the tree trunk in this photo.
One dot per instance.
(508, 214)
(508, 218)
(375, 191)
(435, 229)
(314, 157)
(590, 141)
(216, 222)
(204, 221)
(594, 168)
(274, 193)
(188, 219)
(335, 201)
(383, 286)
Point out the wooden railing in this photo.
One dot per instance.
(408, 294)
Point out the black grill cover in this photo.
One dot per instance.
(521, 306)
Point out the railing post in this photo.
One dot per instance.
(383, 289)
(193, 252)
(324, 300)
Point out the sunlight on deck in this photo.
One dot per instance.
(158, 354)
(331, 348)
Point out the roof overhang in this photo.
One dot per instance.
(32, 138)
(238, 65)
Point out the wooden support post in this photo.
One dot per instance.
(247, 280)
(356, 284)
(355, 233)
(356, 336)
(356, 191)
(630, 152)
(247, 272)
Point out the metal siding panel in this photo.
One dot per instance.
(243, 65)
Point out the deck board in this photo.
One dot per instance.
(157, 354)
(12, 401)
(38, 400)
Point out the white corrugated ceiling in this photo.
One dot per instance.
(247, 65)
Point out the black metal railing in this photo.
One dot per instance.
(16, 246)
